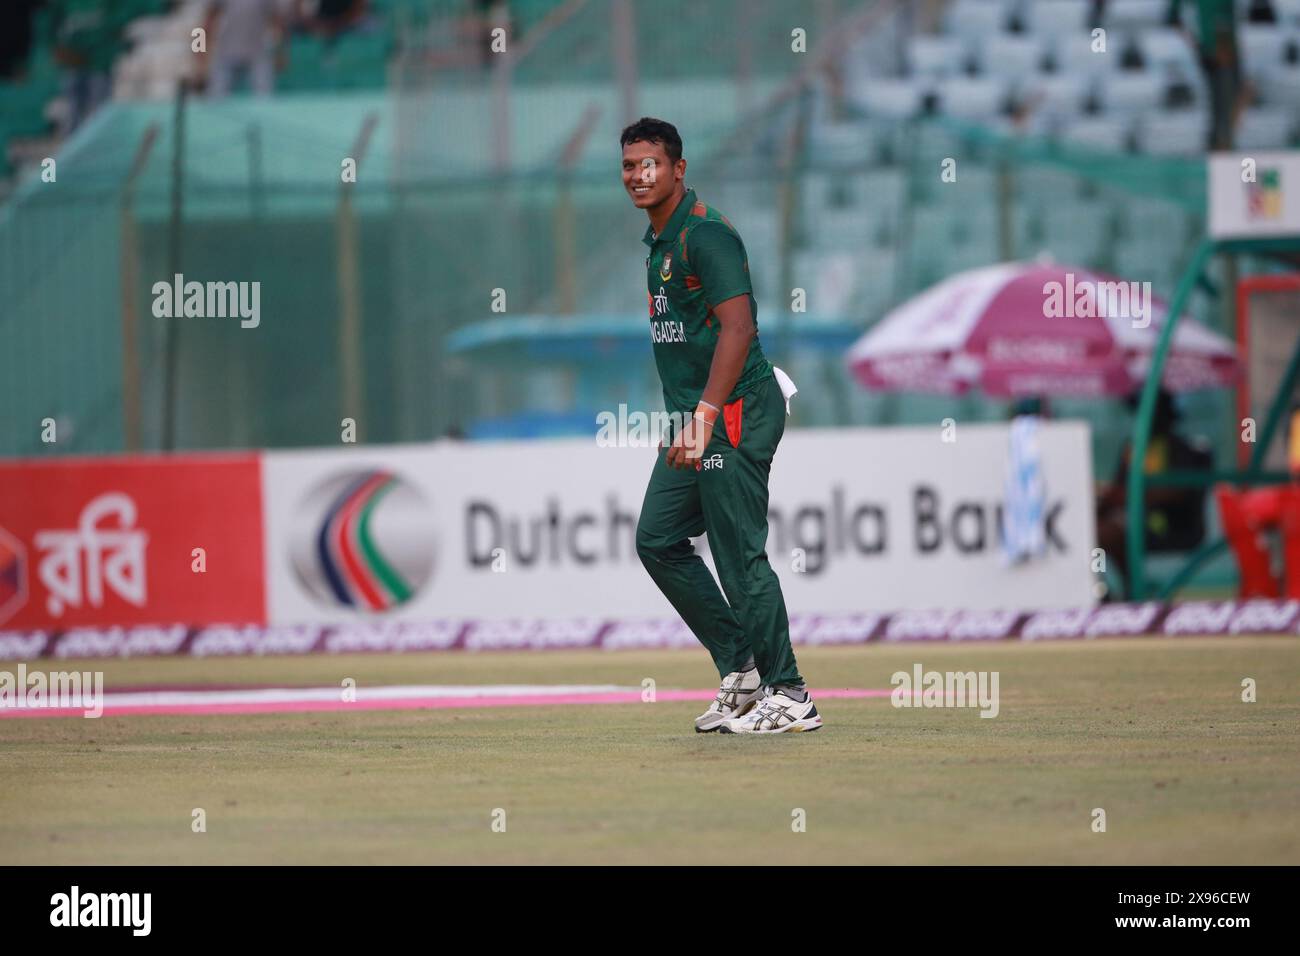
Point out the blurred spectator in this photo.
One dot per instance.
(1175, 517)
(333, 17)
(1221, 63)
(87, 38)
(243, 36)
(16, 36)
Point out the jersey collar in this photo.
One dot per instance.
(674, 221)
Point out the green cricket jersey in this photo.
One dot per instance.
(697, 262)
(94, 28)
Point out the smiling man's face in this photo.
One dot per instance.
(649, 177)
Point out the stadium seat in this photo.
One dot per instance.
(759, 228)
(748, 195)
(871, 201)
(144, 30)
(1037, 179)
(936, 56)
(1109, 133)
(1078, 227)
(936, 139)
(972, 98)
(973, 256)
(1011, 55)
(842, 228)
(1128, 92)
(821, 106)
(1146, 258)
(1054, 18)
(1038, 125)
(1027, 229)
(817, 192)
(1055, 95)
(1288, 12)
(1185, 86)
(975, 226)
(1261, 47)
(890, 99)
(1064, 251)
(1282, 88)
(1073, 55)
(883, 192)
(878, 266)
(976, 18)
(931, 228)
(1166, 46)
(1121, 13)
(851, 191)
(843, 144)
(1139, 218)
(973, 180)
(1181, 133)
(883, 187)
(1265, 128)
(828, 278)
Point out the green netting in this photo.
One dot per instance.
(463, 192)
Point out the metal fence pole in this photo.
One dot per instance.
(171, 333)
(130, 269)
(349, 272)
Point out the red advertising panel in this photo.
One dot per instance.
(121, 541)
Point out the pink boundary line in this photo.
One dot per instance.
(405, 703)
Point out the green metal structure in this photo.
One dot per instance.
(1254, 473)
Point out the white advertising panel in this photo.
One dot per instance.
(861, 520)
(1254, 195)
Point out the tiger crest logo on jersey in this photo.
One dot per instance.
(666, 267)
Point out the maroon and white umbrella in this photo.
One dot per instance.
(1034, 328)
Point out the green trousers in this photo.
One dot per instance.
(727, 499)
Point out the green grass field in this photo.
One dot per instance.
(1153, 731)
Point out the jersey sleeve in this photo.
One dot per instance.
(717, 258)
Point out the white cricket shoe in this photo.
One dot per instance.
(740, 691)
(776, 713)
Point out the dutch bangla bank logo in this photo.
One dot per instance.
(363, 540)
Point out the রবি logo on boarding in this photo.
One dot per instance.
(363, 540)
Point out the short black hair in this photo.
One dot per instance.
(650, 130)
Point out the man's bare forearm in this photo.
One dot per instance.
(734, 338)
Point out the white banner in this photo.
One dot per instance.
(861, 520)
(1254, 195)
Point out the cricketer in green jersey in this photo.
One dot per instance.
(712, 478)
